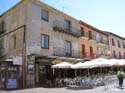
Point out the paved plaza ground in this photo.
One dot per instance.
(104, 89)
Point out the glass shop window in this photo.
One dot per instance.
(12, 72)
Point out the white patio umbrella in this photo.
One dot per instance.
(100, 62)
(120, 62)
(62, 65)
(114, 62)
(77, 66)
(86, 65)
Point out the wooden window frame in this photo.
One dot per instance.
(42, 15)
(44, 38)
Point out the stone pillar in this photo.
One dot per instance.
(30, 72)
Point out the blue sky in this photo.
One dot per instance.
(108, 15)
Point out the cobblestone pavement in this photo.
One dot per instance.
(104, 89)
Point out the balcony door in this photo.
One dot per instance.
(68, 48)
(83, 50)
(90, 35)
(67, 25)
(91, 51)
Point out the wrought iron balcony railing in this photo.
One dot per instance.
(102, 41)
(62, 52)
(59, 26)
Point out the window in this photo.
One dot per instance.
(67, 25)
(45, 15)
(44, 41)
(91, 51)
(2, 27)
(119, 45)
(120, 55)
(68, 48)
(83, 50)
(12, 73)
(114, 55)
(94, 36)
(90, 35)
(82, 31)
(97, 35)
(13, 41)
(42, 69)
(101, 39)
(113, 42)
(123, 45)
(14, 37)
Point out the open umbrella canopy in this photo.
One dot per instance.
(117, 62)
(114, 62)
(100, 62)
(122, 62)
(62, 65)
(76, 66)
(86, 64)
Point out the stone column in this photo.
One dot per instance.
(30, 75)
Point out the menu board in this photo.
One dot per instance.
(12, 77)
(12, 83)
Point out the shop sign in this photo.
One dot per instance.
(17, 60)
(12, 83)
(30, 67)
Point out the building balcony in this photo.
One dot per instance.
(62, 52)
(88, 55)
(59, 26)
(102, 42)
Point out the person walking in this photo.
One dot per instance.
(120, 75)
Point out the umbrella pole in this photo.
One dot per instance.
(64, 73)
(88, 72)
(53, 71)
(80, 72)
(75, 72)
(100, 70)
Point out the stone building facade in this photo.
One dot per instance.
(34, 36)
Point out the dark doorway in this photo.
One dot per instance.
(3, 77)
(43, 74)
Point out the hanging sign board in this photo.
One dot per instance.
(17, 60)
